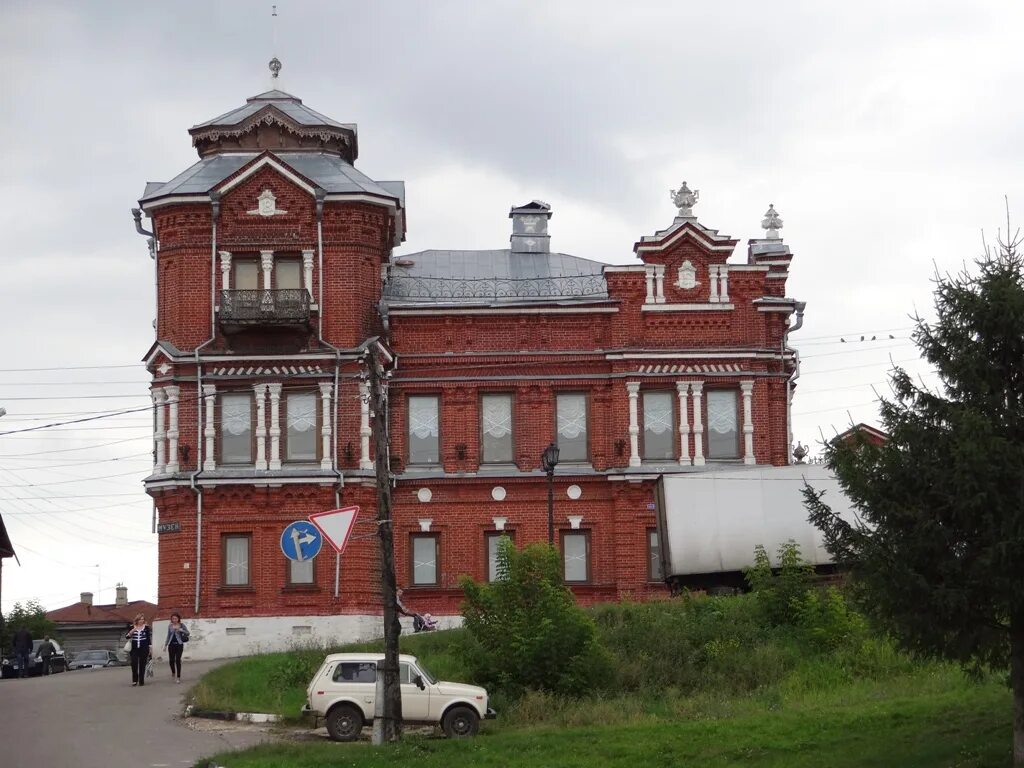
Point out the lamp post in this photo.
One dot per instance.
(548, 461)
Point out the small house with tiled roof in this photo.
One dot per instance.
(84, 626)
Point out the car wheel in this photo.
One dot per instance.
(344, 722)
(460, 723)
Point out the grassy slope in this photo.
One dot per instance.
(919, 721)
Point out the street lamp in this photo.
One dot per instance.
(548, 461)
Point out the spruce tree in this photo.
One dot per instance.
(937, 555)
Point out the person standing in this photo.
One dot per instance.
(46, 650)
(22, 650)
(177, 636)
(141, 638)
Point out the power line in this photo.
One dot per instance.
(68, 450)
(70, 368)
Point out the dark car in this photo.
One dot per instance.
(10, 667)
(95, 659)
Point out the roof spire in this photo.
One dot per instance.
(772, 223)
(275, 63)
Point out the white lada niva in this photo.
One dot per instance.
(344, 690)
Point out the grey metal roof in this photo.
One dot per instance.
(493, 276)
(327, 171)
(291, 106)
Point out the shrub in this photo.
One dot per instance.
(779, 593)
(529, 631)
(827, 620)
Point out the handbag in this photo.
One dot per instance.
(149, 668)
(128, 646)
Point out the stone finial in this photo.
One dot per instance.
(772, 223)
(684, 199)
(275, 68)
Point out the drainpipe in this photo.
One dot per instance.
(151, 242)
(200, 401)
(321, 196)
(791, 382)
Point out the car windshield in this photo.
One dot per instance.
(426, 673)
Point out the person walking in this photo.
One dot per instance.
(22, 650)
(46, 650)
(177, 636)
(140, 638)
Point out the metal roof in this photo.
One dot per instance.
(327, 171)
(493, 276)
(291, 106)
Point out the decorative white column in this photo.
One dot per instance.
(261, 426)
(698, 424)
(275, 426)
(364, 426)
(649, 274)
(225, 271)
(633, 387)
(325, 428)
(747, 388)
(713, 281)
(659, 283)
(307, 272)
(173, 396)
(209, 403)
(683, 389)
(160, 457)
(723, 283)
(267, 262)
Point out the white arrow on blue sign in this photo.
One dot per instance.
(301, 541)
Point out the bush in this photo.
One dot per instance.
(827, 620)
(529, 631)
(779, 593)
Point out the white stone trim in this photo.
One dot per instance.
(574, 521)
(274, 390)
(173, 397)
(307, 272)
(723, 283)
(624, 268)
(787, 309)
(687, 307)
(633, 388)
(649, 278)
(159, 434)
(425, 523)
(511, 310)
(713, 284)
(753, 355)
(659, 283)
(261, 163)
(499, 523)
(747, 268)
(698, 424)
(683, 390)
(364, 426)
(260, 391)
(225, 270)
(209, 431)
(325, 428)
(747, 387)
(385, 202)
(647, 245)
(267, 265)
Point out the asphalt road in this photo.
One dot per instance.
(96, 719)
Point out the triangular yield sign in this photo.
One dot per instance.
(336, 525)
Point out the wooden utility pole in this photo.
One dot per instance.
(387, 724)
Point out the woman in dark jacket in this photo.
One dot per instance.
(141, 639)
(177, 636)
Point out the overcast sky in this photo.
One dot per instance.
(885, 133)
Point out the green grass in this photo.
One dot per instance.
(929, 719)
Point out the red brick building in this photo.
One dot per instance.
(274, 271)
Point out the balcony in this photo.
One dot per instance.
(248, 308)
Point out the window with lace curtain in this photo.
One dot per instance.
(722, 432)
(235, 550)
(300, 431)
(496, 429)
(236, 428)
(659, 417)
(424, 429)
(571, 426)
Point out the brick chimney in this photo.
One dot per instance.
(87, 598)
(122, 596)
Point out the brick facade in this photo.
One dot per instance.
(681, 320)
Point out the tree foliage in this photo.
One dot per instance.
(30, 615)
(530, 631)
(938, 552)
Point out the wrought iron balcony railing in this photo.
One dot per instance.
(282, 306)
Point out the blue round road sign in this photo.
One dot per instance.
(301, 541)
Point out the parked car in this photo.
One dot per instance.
(97, 659)
(10, 667)
(343, 693)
